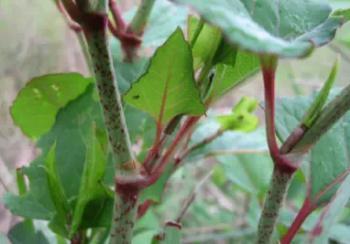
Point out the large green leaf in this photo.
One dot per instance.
(168, 88)
(286, 28)
(329, 158)
(37, 104)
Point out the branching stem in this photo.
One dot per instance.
(303, 213)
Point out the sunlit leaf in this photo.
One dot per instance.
(37, 104)
(168, 88)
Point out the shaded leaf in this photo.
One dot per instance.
(25, 232)
(59, 222)
(250, 172)
(229, 76)
(168, 88)
(72, 125)
(37, 104)
(91, 188)
(206, 43)
(321, 231)
(287, 28)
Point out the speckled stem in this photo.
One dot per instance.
(125, 204)
(273, 203)
(109, 94)
(124, 216)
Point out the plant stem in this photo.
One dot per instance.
(118, 134)
(283, 168)
(273, 203)
(97, 42)
(140, 19)
(117, 16)
(328, 117)
(125, 215)
(304, 212)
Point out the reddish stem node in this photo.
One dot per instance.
(281, 161)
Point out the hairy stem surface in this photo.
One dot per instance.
(273, 203)
(125, 205)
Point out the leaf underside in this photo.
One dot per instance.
(285, 28)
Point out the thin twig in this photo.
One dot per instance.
(192, 197)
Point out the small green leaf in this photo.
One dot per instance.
(321, 99)
(37, 104)
(285, 28)
(91, 181)
(241, 118)
(168, 88)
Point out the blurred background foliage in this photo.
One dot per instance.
(34, 40)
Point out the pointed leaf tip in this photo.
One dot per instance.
(168, 87)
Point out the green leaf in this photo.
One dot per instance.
(168, 88)
(91, 181)
(206, 43)
(321, 99)
(37, 104)
(331, 212)
(25, 232)
(69, 134)
(250, 172)
(57, 194)
(241, 118)
(286, 28)
(229, 76)
(329, 159)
